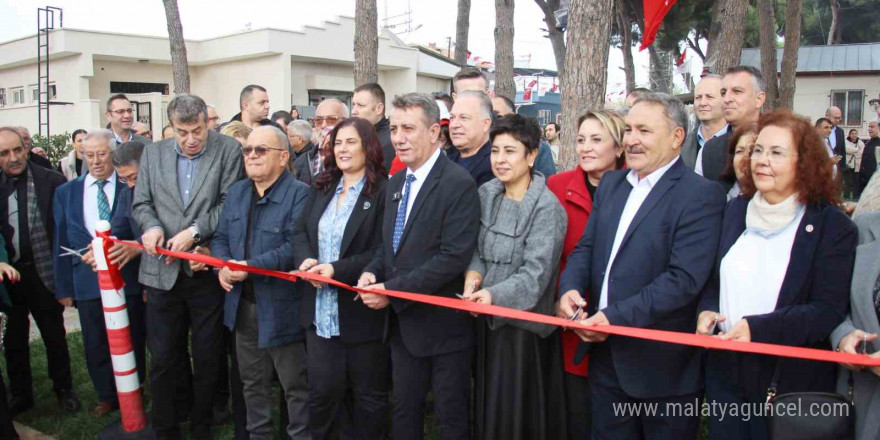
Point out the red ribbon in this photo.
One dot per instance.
(691, 339)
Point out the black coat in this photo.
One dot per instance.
(869, 160)
(715, 157)
(302, 166)
(383, 130)
(435, 250)
(46, 181)
(839, 147)
(362, 236)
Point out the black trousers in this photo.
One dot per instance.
(447, 376)
(336, 370)
(97, 349)
(30, 296)
(199, 299)
(7, 429)
(614, 415)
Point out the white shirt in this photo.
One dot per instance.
(90, 199)
(640, 191)
(752, 273)
(421, 176)
(698, 167)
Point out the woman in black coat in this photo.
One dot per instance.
(336, 236)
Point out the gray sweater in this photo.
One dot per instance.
(518, 250)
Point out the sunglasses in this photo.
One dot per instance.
(332, 120)
(260, 150)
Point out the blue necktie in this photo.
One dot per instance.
(401, 212)
(103, 203)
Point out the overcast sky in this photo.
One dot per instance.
(208, 18)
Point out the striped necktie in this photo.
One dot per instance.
(103, 203)
(400, 222)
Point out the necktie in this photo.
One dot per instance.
(103, 203)
(400, 222)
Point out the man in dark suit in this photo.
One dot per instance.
(743, 90)
(647, 251)
(28, 229)
(78, 206)
(837, 138)
(429, 236)
(368, 102)
(710, 121)
(182, 184)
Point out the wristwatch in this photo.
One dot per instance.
(194, 230)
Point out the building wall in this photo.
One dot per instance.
(813, 94)
(428, 84)
(220, 84)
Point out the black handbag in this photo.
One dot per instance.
(809, 415)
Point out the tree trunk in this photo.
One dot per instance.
(767, 33)
(179, 63)
(793, 15)
(504, 85)
(727, 34)
(462, 25)
(625, 26)
(586, 69)
(366, 42)
(557, 38)
(835, 22)
(661, 70)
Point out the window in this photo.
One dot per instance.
(544, 117)
(137, 87)
(316, 96)
(851, 103)
(18, 96)
(2, 97)
(35, 95)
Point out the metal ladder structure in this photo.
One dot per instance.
(45, 24)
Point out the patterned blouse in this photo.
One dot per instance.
(330, 230)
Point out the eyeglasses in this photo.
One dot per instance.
(773, 155)
(331, 120)
(127, 111)
(260, 150)
(215, 118)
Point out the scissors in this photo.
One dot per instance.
(71, 252)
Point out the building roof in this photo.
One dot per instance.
(839, 58)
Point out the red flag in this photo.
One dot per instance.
(655, 11)
(680, 59)
(554, 88)
(469, 55)
(532, 84)
(527, 95)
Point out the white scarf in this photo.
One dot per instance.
(761, 216)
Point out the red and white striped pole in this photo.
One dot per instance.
(128, 386)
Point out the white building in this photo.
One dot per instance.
(845, 75)
(296, 67)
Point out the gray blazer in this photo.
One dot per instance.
(157, 201)
(690, 148)
(518, 255)
(863, 316)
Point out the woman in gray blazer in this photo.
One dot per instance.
(850, 336)
(522, 226)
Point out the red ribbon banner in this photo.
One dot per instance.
(691, 339)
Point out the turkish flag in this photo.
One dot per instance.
(532, 84)
(655, 11)
(527, 95)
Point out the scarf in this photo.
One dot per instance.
(768, 220)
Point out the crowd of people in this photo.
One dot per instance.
(734, 226)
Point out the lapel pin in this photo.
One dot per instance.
(367, 205)
(396, 196)
(809, 228)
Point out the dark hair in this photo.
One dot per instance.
(292, 109)
(729, 173)
(507, 102)
(281, 114)
(76, 132)
(116, 97)
(374, 89)
(469, 73)
(440, 96)
(753, 71)
(186, 108)
(375, 168)
(247, 91)
(821, 120)
(815, 181)
(524, 129)
(128, 153)
(555, 126)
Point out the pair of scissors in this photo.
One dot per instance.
(71, 252)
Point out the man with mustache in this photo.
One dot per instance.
(742, 89)
(707, 107)
(28, 228)
(645, 256)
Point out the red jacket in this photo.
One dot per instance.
(570, 188)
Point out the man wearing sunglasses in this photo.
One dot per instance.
(328, 113)
(257, 219)
(120, 114)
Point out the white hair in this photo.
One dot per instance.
(103, 134)
(300, 127)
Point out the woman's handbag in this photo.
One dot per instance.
(809, 415)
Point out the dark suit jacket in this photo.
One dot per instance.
(41, 161)
(691, 147)
(715, 157)
(73, 278)
(438, 242)
(383, 130)
(839, 147)
(302, 166)
(46, 181)
(869, 160)
(660, 269)
(813, 300)
(360, 240)
(277, 299)
(478, 165)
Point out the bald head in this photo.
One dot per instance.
(834, 115)
(266, 153)
(141, 129)
(329, 112)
